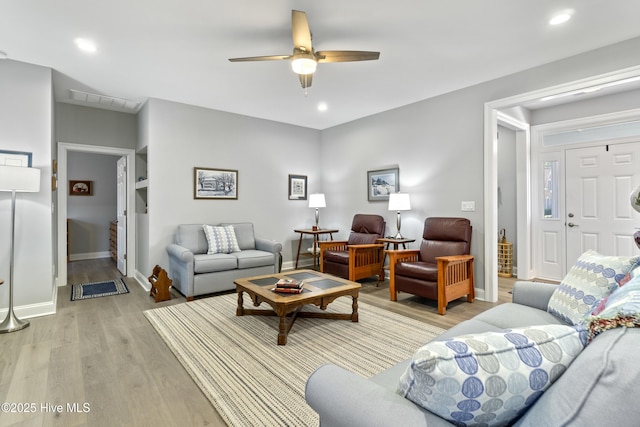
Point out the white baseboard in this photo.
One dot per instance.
(142, 280)
(89, 255)
(32, 310)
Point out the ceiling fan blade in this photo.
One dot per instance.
(300, 31)
(346, 55)
(261, 58)
(305, 80)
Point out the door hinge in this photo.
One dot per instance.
(125, 256)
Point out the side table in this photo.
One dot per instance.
(395, 242)
(315, 234)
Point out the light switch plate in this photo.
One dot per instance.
(468, 206)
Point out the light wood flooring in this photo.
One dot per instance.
(102, 355)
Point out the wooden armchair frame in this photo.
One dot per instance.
(364, 260)
(455, 276)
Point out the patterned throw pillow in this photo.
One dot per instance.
(490, 378)
(592, 278)
(221, 240)
(620, 309)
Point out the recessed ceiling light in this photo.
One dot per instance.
(85, 45)
(322, 106)
(560, 18)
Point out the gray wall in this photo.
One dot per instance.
(93, 126)
(181, 137)
(26, 123)
(90, 215)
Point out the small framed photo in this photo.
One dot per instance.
(15, 158)
(80, 188)
(381, 183)
(297, 187)
(215, 183)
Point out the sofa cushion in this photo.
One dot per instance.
(493, 377)
(204, 263)
(591, 278)
(244, 234)
(362, 238)
(597, 390)
(221, 239)
(339, 257)
(420, 270)
(621, 308)
(191, 236)
(253, 258)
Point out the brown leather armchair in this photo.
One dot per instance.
(360, 256)
(441, 269)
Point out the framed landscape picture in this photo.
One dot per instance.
(80, 188)
(381, 183)
(215, 183)
(297, 187)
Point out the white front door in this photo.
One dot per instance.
(598, 213)
(121, 207)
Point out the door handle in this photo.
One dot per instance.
(573, 225)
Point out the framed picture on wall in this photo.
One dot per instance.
(297, 187)
(15, 158)
(80, 188)
(381, 183)
(215, 183)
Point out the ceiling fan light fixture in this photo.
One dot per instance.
(304, 63)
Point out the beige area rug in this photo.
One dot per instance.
(251, 381)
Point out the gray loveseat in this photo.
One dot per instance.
(195, 273)
(599, 388)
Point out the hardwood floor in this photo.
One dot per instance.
(102, 358)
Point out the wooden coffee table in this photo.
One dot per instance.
(319, 289)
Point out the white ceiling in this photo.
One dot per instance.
(178, 49)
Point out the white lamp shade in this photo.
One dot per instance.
(20, 179)
(304, 63)
(317, 201)
(399, 202)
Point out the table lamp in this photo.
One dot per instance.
(17, 180)
(399, 202)
(317, 201)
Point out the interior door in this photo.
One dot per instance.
(121, 207)
(598, 212)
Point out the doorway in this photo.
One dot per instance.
(492, 111)
(128, 182)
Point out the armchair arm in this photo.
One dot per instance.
(455, 279)
(396, 256)
(332, 245)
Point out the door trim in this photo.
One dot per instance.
(63, 149)
(491, 164)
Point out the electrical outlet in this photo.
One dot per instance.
(468, 206)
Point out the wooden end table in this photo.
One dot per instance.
(315, 234)
(319, 289)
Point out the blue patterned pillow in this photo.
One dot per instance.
(490, 378)
(221, 239)
(591, 278)
(622, 308)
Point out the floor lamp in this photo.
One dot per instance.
(17, 180)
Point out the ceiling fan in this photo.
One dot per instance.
(304, 59)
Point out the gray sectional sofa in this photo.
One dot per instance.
(194, 272)
(599, 387)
